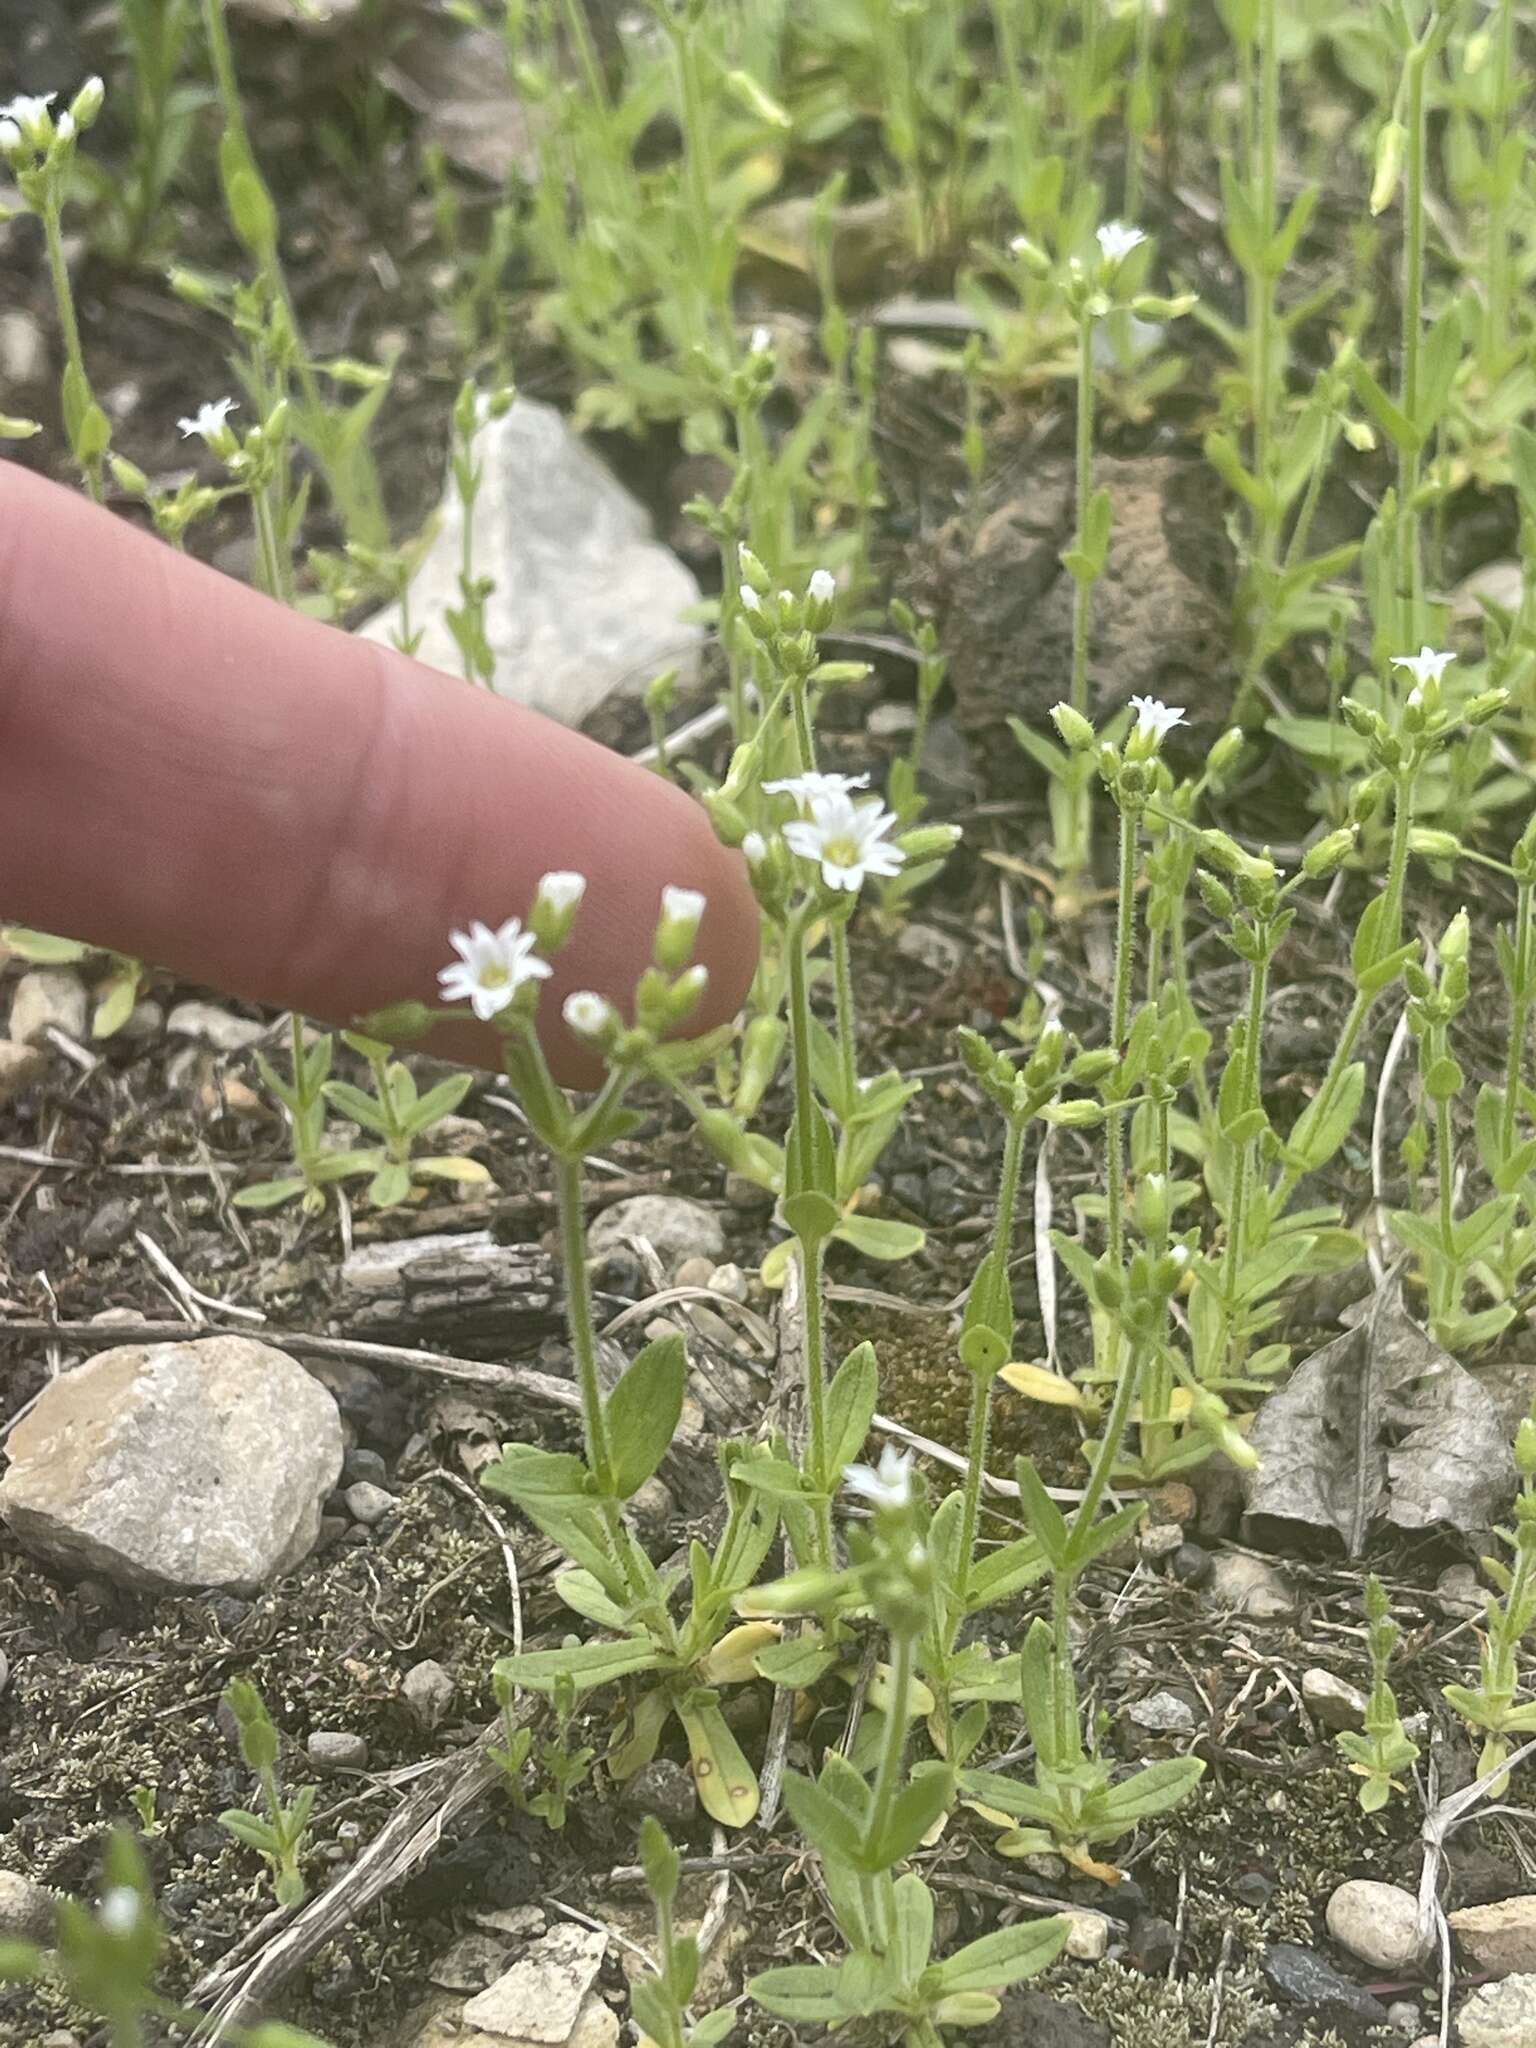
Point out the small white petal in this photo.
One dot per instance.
(814, 783)
(1155, 718)
(754, 849)
(1116, 240)
(10, 135)
(823, 586)
(682, 906)
(750, 601)
(491, 967)
(1426, 666)
(562, 890)
(120, 1909)
(886, 1485)
(586, 1012)
(762, 340)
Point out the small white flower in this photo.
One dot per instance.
(1179, 1253)
(682, 906)
(208, 420)
(823, 586)
(120, 1909)
(1416, 696)
(1155, 720)
(1426, 666)
(64, 127)
(762, 340)
(754, 849)
(814, 784)
(587, 1013)
(492, 966)
(1116, 240)
(562, 890)
(28, 110)
(886, 1485)
(10, 136)
(849, 840)
(750, 601)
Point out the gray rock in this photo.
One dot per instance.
(48, 998)
(23, 348)
(359, 1465)
(1249, 1585)
(428, 1690)
(746, 1195)
(1501, 2015)
(1332, 1700)
(112, 1225)
(1377, 1924)
(926, 946)
(473, 1961)
(334, 1749)
(368, 1503)
(175, 1466)
(674, 1227)
(665, 1789)
(586, 604)
(1500, 1938)
(1403, 2014)
(1162, 1713)
(21, 1066)
(539, 1998)
(207, 1024)
(731, 1282)
(891, 721)
(144, 1022)
(1303, 1978)
(1459, 1592)
(1087, 1934)
(26, 1910)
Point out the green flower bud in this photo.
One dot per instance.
(1485, 706)
(929, 842)
(1328, 854)
(1360, 719)
(1223, 756)
(86, 104)
(1073, 727)
(1455, 944)
(1434, 845)
(1525, 1447)
(753, 575)
(1089, 1068)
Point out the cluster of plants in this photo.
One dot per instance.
(997, 143)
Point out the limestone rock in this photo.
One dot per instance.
(26, 1910)
(427, 1690)
(540, 1998)
(175, 1466)
(1250, 1585)
(48, 997)
(1332, 1700)
(586, 604)
(1377, 1923)
(1501, 2015)
(676, 1228)
(1500, 1938)
(208, 1024)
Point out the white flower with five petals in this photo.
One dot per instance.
(814, 784)
(1427, 666)
(492, 966)
(849, 840)
(886, 1485)
(1155, 720)
(208, 420)
(1116, 240)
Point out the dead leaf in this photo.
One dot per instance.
(1380, 1425)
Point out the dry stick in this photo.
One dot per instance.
(408, 1838)
(1441, 1820)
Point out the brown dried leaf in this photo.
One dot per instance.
(1380, 1425)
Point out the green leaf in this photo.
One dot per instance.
(270, 1194)
(999, 1574)
(880, 1238)
(1322, 1127)
(1098, 1541)
(583, 1594)
(825, 1822)
(1007, 1957)
(643, 1411)
(727, 1785)
(249, 1828)
(1037, 1689)
(42, 948)
(584, 1664)
(912, 1939)
(1046, 1522)
(1391, 419)
(803, 1992)
(1439, 359)
(850, 1409)
(115, 1000)
(1152, 1790)
(390, 1186)
(713, 2028)
(361, 1107)
(914, 1810)
(798, 1662)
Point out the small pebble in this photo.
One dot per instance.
(664, 1788)
(1162, 1713)
(26, 1910)
(207, 1024)
(144, 1022)
(1459, 1592)
(368, 1503)
(1376, 1923)
(48, 998)
(1190, 1564)
(747, 1196)
(1405, 2016)
(333, 1749)
(1152, 1944)
(729, 1281)
(1157, 1540)
(364, 1467)
(1087, 1934)
(694, 1272)
(1249, 1585)
(1334, 1701)
(427, 1690)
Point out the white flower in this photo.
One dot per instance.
(754, 849)
(823, 586)
(1426, 666)
(814, 784)
(682, 906)
(1116, 240)
(10, 136)
(28, 110)
(886, 1485)
(491, 967)
(750, 601)
(1155, 720)
(849, 840)
(119, 1909)
(64, 127)
(562, 890)
(1179, 1253)
(762, 340)
(208, 419)
(587, 1013)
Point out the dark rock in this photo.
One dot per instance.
(664, 1788)
(1152, 1943)
(621, 1275)
(1191, 1564)
(492, 1869)
(1253, 1889)
(1030, 2017)
(910, 1190)
(360, 1466)
(1303, 1978)
(111, 1226)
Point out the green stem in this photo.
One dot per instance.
(1409, 564)
(812, 1250)
(64, 303)
(981, 1383)
(1262, 283)
(893, 1743)
(1119, 1021)
(1520, 1017)
(1109, 1444)
(578, 1316)
(1258, 981)
(1447, 1289)
(847, 1051)
(1498, 216)
(805, 744)
(1083, 593)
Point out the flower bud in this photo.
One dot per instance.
(1215, 895)
(555, 907)
(590, 1016)
(1485, 706)
(86, 104)
(686, 993)
(1075, 1116)
(678, 927)
(929, 842)
(1329, 854)
(730, 826)
(1525, 1447)
(1152, 1208)
(1223, 756)
(819, 596)
(1089, 1068)
(1431, 844)
(1073, 727)
(1368, 798)
(1360, 719)
(1457, 941)
(754, 576)
(1388, 165)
